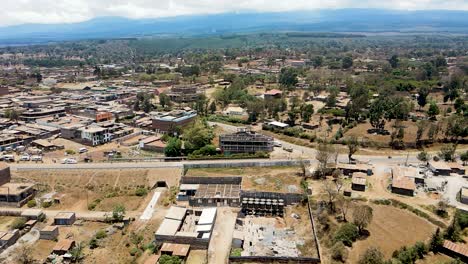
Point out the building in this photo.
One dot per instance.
(37, 113)
(65, 218)
(210, 191)
(16, 194)
(4, 90)
(8, 238)
(184, 93)
(402, 184)
(349, 169)
(359, 181)
(192, 227)
(180, 250)
(95, 135)
(277, 125)
(34, 214)
(245, 141)
(63, 246)
(455, 250)
(272, 94)
(457, 168)
(49, 233)
(235, 111)
(439, 168)
(152, 143)
(5, 174)
(170, 121)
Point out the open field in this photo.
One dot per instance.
(390, 229)
(272, 179)
(79, 189)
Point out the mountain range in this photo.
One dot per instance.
(339, 20)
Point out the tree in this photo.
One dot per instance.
(353, 146)
(307, 110)
(372, 256)
(447, 152)
(464, 157)
(344, 205)
(164, 100)
(394, 61)
(12, 114)
(419, 133)
(347, 62)
(362, 216)
(166, 259)
(212, 107)
(433, 110)
(198, 135)
(437, 240)
(453, 232)
(323, 156)
(173, 148)
(118, 213)
(317, 61)
(24, 253)
(423, 156)
(77, 253)
(332, 193)
(339, 252)
(347, 234)
(423, 92)
(288, 77)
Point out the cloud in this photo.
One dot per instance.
(66, 11)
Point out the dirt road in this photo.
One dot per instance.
(220, 245)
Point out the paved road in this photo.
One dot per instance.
(151, 207)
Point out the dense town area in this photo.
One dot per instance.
(257, 148)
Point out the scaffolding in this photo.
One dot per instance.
(246, 141)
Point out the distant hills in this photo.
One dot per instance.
(341, 20)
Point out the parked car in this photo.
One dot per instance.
(25, 157)
(288, 149)
(8, 158)
(69, 161)
(83, 150)
(36, 158)
(277, 144)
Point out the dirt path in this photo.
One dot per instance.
(220, 245)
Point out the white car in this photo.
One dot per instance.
(69, 161)
(83, 150)
(25, 157)
(277, 144)
(36, 158)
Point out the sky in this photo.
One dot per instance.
(13, 12)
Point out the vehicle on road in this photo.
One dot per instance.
(288, 149)
(277, 144)
(69, 161)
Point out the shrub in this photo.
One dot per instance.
(348, 233)
(46, 204)
(236, 252)
(32, 203)
(70, 152)
(93, 243)
(141, 192)
(100, 234)
(18, 223)
(133, 251)
(339, 252)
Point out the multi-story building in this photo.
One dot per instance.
(245, 141)
(168, 121)
(184, 94)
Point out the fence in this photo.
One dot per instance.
(271, 163)
(211, 180)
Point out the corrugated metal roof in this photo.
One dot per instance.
(207, 216)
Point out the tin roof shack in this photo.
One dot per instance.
(16, 194)
(272, 94)
(245, 141)
(65, 218)
(402, 184)
(5, 174)
(63, 247)
(455, 250)
(152, 143)
(349, 169)
(32, 214)
(439, 168)
(168, 121)
(457, 168)
(8, 238)
(49, 233)
(359, 181)
(179, 250)
(464, 195)
(194, 227)
(210, 191)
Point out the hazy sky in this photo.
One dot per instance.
(59, 11)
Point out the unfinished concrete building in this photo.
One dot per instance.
(14, 194)
(184, 93)
(210, 191)
(245, 141)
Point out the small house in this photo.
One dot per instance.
(455, 250)
(403, 185)
(65, 218)
(9, 238)
(359, 181)
(63, 247)
(49, 233)
(456, 168)
(179, 250)
(32, 214)
(439, 168)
